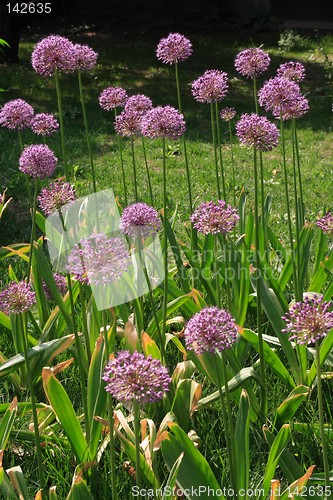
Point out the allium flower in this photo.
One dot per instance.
(212, 86)
(326, 224)
(282, 97)
(16, 114)
(53, 53)
(37, 160)
(257, 131)
(133, 377)
(86, 57)
(140, 220)
(291, 70)
(56, 196)
(98, 260)
(128, 123)
(138, 102)
(44, 124)
(211, 329)
(17, 298)
(213, 218)
(227, 114)
(309, 321)
(174, 48)
(252, 62)
(163, 121)
(112, 97)
(61, 284)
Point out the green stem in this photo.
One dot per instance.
(216, 273)
(293, 123)
(258, 289)
(255, 95)
(34, 409)
(232, 163)
(86, 127)
(136, 415)
(264, 222)
(147, 170)
(111, 418)
(33, 227)
(297, 213)
(134, 171)
(84, 322)
(120, 147)
(217, 119)
(212, 119)
(321, 419)
(225, 249)
(165, 239)
(61, 120)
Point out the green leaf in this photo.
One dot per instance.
(182, 271)
(65, 413)
(194, 471)
(79, 490)
(149, 346)
(5, 484)
(277, 447)
(242, 444)
(290, 405)
(325, 348)
(7, 423)
(172, 479)
(5, 321)
(187, 393)
(18, 481)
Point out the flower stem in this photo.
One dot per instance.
(84, 322)
(33, 227)
(295, 138)
(220, 150)
(212, 119)
(165, 238)
(120, 147)
(216, 273)
(232, 164)
(26, 178)
(255, 95)
(321, 419)
(86, 127)
(134, 171)
(136, 415)
(298, 227)
(147, 170)
(33, 408)
(110, 412)
(61, 120)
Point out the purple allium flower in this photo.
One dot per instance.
(37, 160)
(61, 284)
(138, 102)
(211, 329)
(292, 70)
(227, 114)
(56, 196)
(98, 259)
(213, 218)
(53, 53)
(257, 131)
(309, 321)
(128, 123)
(252, 62)
(163, 121)
(86, 57)
(174, 48)
(44, 124)
(282, 97)
(133, 377)
(212, 86)
(17, 298)
(140, 220)
(16, 114)
(112, 97)
(326, 223)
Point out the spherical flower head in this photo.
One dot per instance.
(293, 71)
(44, 124)
(212, 86)
(296, 109)
(326, 223)
(140, 220)
(17, 298)
(61, 284)
(37, 160)
(135, 378)
(309, 321)
(227, 114)
(16, 114)
(128, 123)
(252, 62)
(112, 97)
(98, 260)
(86, 57)
(280, 96)
(139, 102)
(57, 196)
(53, 53)
(211, 329)
(257, 131)
(174, 48)
(163, 121)
(213, 218)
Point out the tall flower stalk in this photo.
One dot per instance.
(227, 115)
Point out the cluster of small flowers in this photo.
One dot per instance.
(211, 87)
(17, 298)
(56, 196)
(326, 223)
(257, 131)
(214, 218)
(61, 284)
(283, 98)
(140, 220)
(37, 160)
(252, 62)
